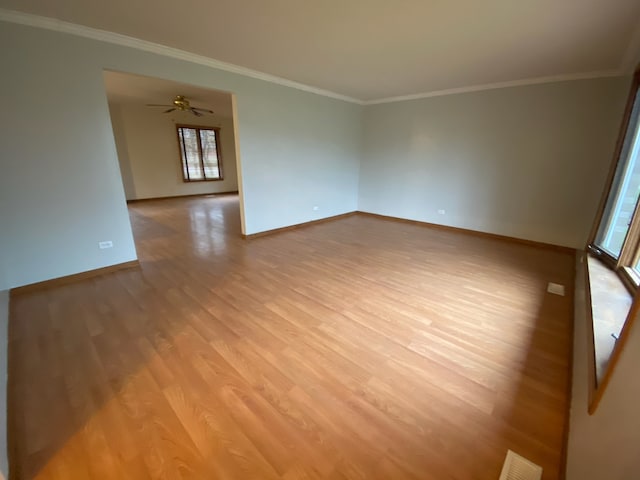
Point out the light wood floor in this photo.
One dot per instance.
(358, 348)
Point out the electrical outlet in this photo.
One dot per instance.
(105, 244)
(441, 212)
(316, 208)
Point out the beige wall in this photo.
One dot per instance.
(149, 156)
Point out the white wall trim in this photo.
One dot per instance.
(126, 41)
(492, 86)
(48, 23)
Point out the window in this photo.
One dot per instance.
(617, 237)
(615, 241)
(201, 159)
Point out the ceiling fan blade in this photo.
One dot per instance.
(206, 110)
(195, 112)
(170, 110)
(157, 105)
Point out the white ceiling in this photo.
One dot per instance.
(124, 88)
(371, 49)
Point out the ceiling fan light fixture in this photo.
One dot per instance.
(180, 102)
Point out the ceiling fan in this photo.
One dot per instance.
(181, 103)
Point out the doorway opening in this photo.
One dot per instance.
(178, 153)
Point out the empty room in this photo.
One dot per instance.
(330, 240)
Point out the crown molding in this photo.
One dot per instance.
(627, 64)
(48, 23)
(493, 86)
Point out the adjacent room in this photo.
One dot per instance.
(182, 152)
(158, 154)
(346, 240)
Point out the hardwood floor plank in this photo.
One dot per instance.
(353, 349)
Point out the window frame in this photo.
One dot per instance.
(630, 251)
(184, 167)
(622, 266)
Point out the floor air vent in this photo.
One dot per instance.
(556, 289)
(519, 468)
